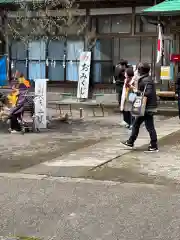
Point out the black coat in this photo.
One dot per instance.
(178, 84)
(119, 78)
(150, 92)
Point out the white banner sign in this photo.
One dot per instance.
(40, 103)
(84, 71)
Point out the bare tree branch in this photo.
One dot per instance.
(36, 20)
(47, 19)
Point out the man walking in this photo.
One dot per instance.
(146, 83)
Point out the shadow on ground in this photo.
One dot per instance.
(127, 175)
(59, 140)
(131, 170)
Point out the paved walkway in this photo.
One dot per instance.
(87, 210)
(136, 166)
(75, 163)
(18, 152)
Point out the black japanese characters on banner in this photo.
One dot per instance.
(84, 70)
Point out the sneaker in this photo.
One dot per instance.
(130, 127)
(151, 149)
(9, 130)
(13, 131)
(127, 125)
(131, 145)
(123, 124)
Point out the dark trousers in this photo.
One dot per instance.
(148, 119)
(128, 118)
(14, 122)
(179, 103)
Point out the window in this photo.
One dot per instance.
(74, 49)
(116, 50)
(113, 24)
(37, 70)
(56, 73)
(144, 26)
(133, 50)
(37, 59)
(37, 50)
(167, 51)
(103, 50)
(146, 49)
(102, 61)
(20, 66)
(18, 50)
(72, 71)
(130, 49)
(18, 57)
(57, 60)
(121, 24)
(102, 72)
(56, 52)
(104, 24)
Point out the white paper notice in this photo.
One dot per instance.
(84, 71)
(40, 103)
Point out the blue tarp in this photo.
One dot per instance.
(3, 72)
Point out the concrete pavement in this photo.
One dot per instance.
(78, 162)
(19, 152)
(55, 208)
(72, 149)
(38, 202)
(80, 148)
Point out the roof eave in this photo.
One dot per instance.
(161, 13)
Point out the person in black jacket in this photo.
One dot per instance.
(178, 91)
(119, 78)
(145, 81)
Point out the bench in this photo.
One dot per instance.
(66, 99)
(100, 100)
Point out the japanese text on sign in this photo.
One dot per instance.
(40, 103)
(84, 71)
